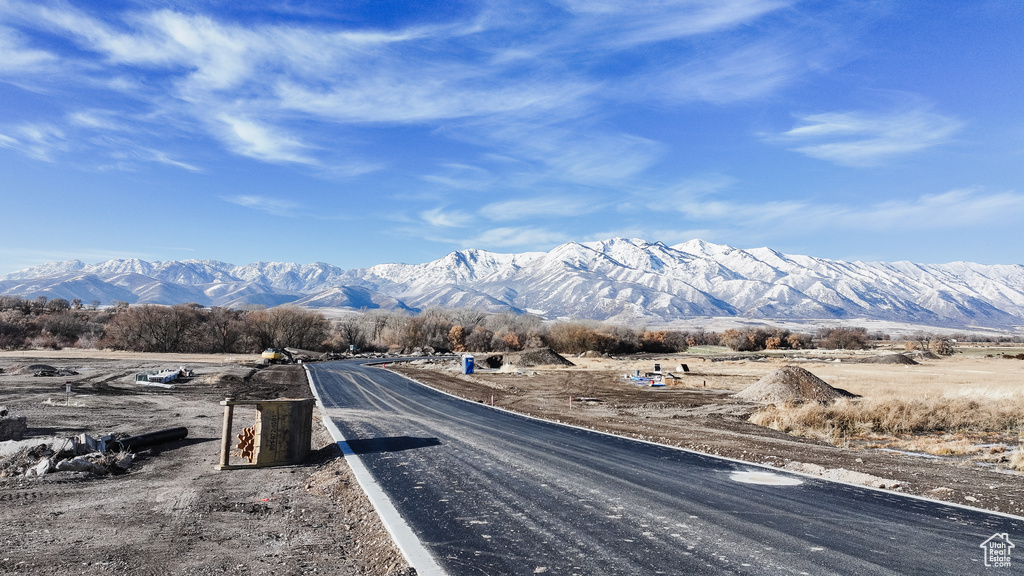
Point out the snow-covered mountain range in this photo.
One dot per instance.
(623, 280)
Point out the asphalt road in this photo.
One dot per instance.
(490, 492)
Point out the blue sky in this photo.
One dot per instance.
(385, 131)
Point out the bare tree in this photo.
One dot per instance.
(222, 331)
(286, 326)
(351, 332)
(153, 328)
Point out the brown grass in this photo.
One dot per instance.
(1017, 459)
(892, 415)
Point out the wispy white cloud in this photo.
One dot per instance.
(255, 87)
(633, 23)
(865, 138)
(583, 154)
(251, 138)
(295, 94)
(164, 158)
(454, 176)
(955, 209)
(19, 57)
(275, 206)
(424, 95)
(952, 210)
(445, 217)
(506, 237)
(39, 141)
(725, 77)
(117, 135)
(96, 119)
(544, 207)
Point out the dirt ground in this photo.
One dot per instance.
(698, 412)
(172, 512)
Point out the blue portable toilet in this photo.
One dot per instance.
(467, 364)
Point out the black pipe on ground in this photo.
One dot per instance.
(150, 439)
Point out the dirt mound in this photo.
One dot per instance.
(19, 369)
(889, 359)
(536, 357)
(222, 378)
(229, 377)
(791, 384)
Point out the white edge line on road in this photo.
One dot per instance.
(726, 458)
(415, 553)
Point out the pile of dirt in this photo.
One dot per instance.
(232, 376)
(40, 370)
(536, 357)
(791, 384)
(889, 359)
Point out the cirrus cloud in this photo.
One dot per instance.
(865, 138)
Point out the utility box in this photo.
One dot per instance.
(280, 435)
(467, 364)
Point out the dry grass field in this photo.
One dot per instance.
(961, 405)
(971, 403)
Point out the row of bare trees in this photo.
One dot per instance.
(461, 330)
(60, 323)
(45, 323)
(192, 328)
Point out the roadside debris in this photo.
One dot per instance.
(160, 378)
(652, 379)
(149, 439)
(82, 453)
(844, 475)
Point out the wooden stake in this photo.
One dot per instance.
(225, 447)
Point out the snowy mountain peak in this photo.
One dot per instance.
(47, 269)
(619, 279)
(699, 247)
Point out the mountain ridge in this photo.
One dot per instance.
(618, 279)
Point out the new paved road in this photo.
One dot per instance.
(490, 492)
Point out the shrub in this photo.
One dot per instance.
(843, 338)
(761, 338)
